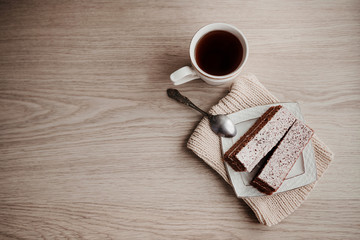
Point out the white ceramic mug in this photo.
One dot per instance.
(187, 73)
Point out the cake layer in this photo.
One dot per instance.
(267, 131)
(279, 164)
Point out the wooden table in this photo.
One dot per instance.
(92, 148)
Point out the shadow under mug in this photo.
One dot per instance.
(189, 73)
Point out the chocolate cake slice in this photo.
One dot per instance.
(280, 162)
(267, 131)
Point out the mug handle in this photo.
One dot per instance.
(183, 75)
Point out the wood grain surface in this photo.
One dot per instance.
(92, 148)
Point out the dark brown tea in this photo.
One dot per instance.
(218, 53)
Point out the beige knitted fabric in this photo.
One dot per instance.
(248, 92)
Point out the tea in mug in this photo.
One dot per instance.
(219, 53)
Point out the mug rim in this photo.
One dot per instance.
(213, 27)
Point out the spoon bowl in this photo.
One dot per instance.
(222, 125)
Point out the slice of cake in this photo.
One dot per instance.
(267, 131)
(229, 155)
(283, 158)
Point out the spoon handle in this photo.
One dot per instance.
(175, 94)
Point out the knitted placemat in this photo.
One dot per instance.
(247, 92)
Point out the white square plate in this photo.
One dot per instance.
(303, 171)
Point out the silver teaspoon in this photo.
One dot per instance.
(219, 124)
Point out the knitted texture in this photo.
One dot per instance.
(247, 92)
